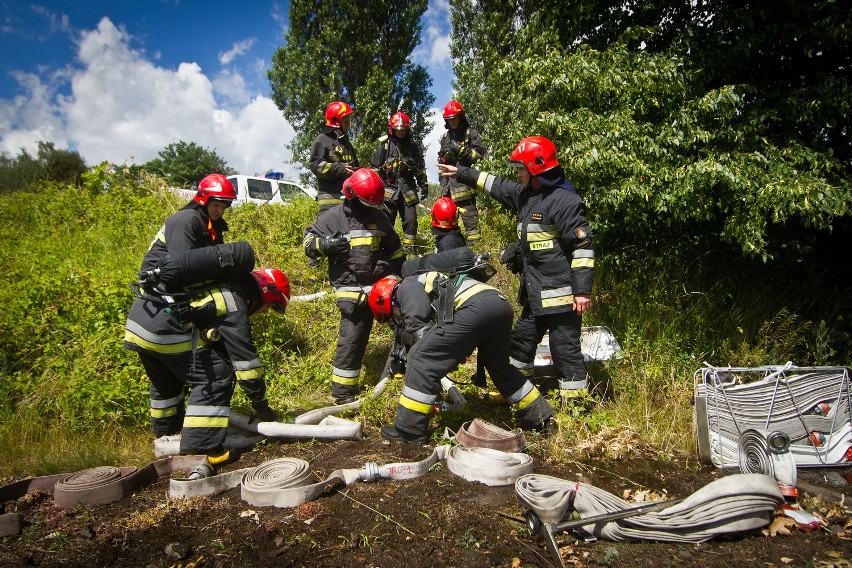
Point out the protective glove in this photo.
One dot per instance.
(263, 412)
(332, 245)
(397, 366)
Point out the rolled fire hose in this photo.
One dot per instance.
(481, 434)
(95, 486)
(286, 482)
(739, 502)
(761, 451)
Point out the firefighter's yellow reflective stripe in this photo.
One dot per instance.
(519, 394)
(533, 237)
(462, 194)
(389, 191)
(482, 182)
(163, 412)
(355, 295)
(343, 377)
(558, 297)
(470, 291)
(428, 280)
(160, 236)
(398, 254)
(217, 297)
(521, 365)
(583, 258)
(372, 242)
(164, 344)
(344, 380)
(527, 400)
(417, 401)
(205, 421)
(474, 155)
(415, 406)
(250, 374)
(328, 201)
(410, 197)
(326, 166)
(166, 403)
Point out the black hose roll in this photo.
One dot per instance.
(182, 268)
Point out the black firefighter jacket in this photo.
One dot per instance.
(375, 249)
(331, 151)
(555, 238)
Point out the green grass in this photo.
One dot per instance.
(71, 397)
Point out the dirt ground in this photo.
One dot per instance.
(436, 520)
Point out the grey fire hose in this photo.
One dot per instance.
(249, 433)
(734, 503)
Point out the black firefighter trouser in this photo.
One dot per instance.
(204, 420)
(356, 322)
(484, 321)
(408, 213)
(470, 218)
(564, 331)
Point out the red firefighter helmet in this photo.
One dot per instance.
(335, 113)
(536, 153)
(366, 185)
(274, 287)
(399, 121)
(445, 214)
(215, 186)
(381, 296)
(453, 108)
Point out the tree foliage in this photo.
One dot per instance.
(185, 164)
(49, 164)
(357, 52)
(686, 129)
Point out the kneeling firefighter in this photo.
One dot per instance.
(203, 341)
(467, 314)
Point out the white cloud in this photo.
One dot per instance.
(239, 47)
(281, 17)
(435, 46)
(57, 21)
(432, 143)
(123, 108)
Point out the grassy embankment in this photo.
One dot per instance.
(71, 397)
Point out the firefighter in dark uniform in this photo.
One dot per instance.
(481, 318)
(445, 225)
(198, 224)
(556, 257)
(177, 353)
(399, 161)
(332, 155)
(362, 247)
(461, 145)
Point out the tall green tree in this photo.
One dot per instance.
(668, 140)
(358, 52)
(185, 164)
(49, 164)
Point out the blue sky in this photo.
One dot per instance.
(118, 81)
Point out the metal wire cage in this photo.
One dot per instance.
(810, 405)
